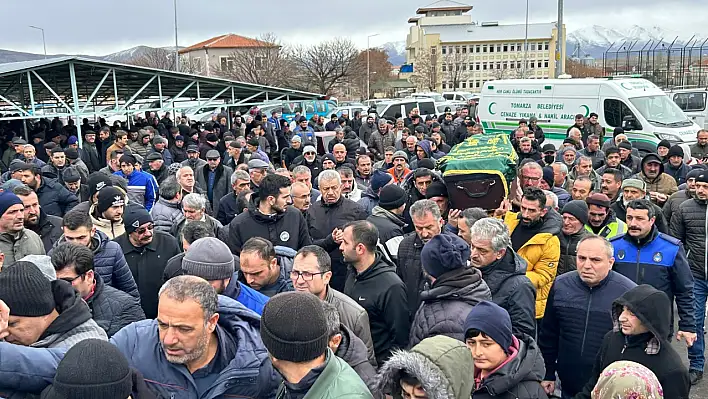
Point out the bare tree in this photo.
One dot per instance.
(157, 58)
(454, 67)
(425, 71)
(506, 70)
(322, 66)
(265, 64)
(379, 71)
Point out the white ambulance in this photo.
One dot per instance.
(643, 110)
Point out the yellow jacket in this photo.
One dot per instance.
(541, 252)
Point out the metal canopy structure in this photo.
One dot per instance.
(81, 87)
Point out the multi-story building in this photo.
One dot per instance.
(216, 55)
(449, 51)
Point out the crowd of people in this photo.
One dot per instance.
(243, 258)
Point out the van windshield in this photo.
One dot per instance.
(660, 111)
(380, 107)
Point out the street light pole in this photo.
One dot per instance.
(368, 65)
(526, 43)
(44, 42)
(560, 33)
(176, 46)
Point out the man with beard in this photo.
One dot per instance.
(633, 189)
(72, 182)
(193, 160)
(54, 198)
(534, 236)
(147, 252)
(575, 217)
(260, 268)
(47, 227)
(211, 259)
(105, 141)
(372, 282)
(674, 202)
(16, 241)
(270, 216)
(601, 219)
(107, 212)
(380, 139)
(627, 159)
(660, 185)
(362, 174)
(350, 189)
(611, 184)
(505, 273)
(329, 214)
(387, 216)
(309, 159)
(56, 164)
(666, 270)
(613, 160)
(368, 128)
(526, 150)
(29, 152)
(594, 152)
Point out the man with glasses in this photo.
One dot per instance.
(312, 271)
(111, 308)
(147, 252)
(214, 178)
(310, 160)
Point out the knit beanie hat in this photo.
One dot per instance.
(445, 252)
(71, 153)
(70, 174)
(72, 140)
(675, 151)
(426, 163)
(626, 145)
(437, 189)
(492, 320)
(400, 154)
(92, 368)
(108, 197)
(664, 143)
(548, 176)
(599, 199)
(26, 291)
(134, 217)
(578, 209)
(210, 259)
(329, 157)
(96, 182)
(703, 177)
(127, 158)
(634, 183)
(8, 199)
(212, 137)
(392, 197)
(695, 172)
(379, 179)
(294, 327)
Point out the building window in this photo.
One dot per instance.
(433, 50)
(464, 67)
(519, 47)
(506, 48)
(444, 67)
(498, 65)
(484, 48)
(457, 49)
(464, 49)
(512, 65)
(512, 47)
(538, 64)
(484, 66)
(505, 65)
(545, 46)
(444, 50)
(260, 63)
(476, 49)
(532, 47)
(226, 63)
(491, 48)
(499, 48)
(464, 85)
(545, 64)
(444, 86)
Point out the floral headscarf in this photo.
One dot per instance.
(627, 380)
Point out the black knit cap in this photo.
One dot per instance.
(108, 197)
(96, 182)
(71, 174)
(437, 189)
(26, 291)
(134, 217)
(91, 369)
(294, 328)
(392, 197)
(675, 151)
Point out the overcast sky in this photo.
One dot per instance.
(99, 27)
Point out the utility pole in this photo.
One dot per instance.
(368, 65)
(176, 45)
(44, 42)
(560, 32)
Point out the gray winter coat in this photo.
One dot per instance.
(222, 183)
(113, 309)
(366, 130)
(689, 226)
(17, 247)
(166, 215)
(354, 317)
(447, 303)
(378, 142)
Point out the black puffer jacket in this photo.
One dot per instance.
(673, 203)
(447, 303)
(689, 226)
(48, 229)
(113, 309)
(390, 227)
(569, 249)
(54, 198)
(519, 378)
(513, 291)
(652, 350)
(410, 269)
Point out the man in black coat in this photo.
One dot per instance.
(112, 309)
(54, 198)
(505, 273)
(47, 227)
(147, 252)
(330, 214)
(641, 317)
(89, 152)
(387, 216)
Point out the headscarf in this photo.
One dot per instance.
(627, 380)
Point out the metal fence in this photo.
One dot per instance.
(669, 64)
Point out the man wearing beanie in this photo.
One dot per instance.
(387, 216)
(575, 217)
(601, 219)
(159, 145)
(400, 170)
(141, 146)
(147, 252)
(73, 160)
(684, 194)
(662, 150)
(498, 355)
(633, 189)
(107, 212)
(142, 187)
(289, 154)
(437, 192)
(548, 183)
(53, 196)
(674, 165)
(294, 330)
(72, 182)
(16, 241)
(370, 197)
(43, 313)
(211, 259)
(628, 159)
(454, 290)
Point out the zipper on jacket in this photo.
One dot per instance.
(624, 347)
(705, 246)
(636, 280)
(587, 319)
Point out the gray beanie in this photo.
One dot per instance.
(400, 154)
(210, 259)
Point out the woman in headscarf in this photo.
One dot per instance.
(627, 380)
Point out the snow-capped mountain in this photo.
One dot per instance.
(123, 56)
(396, 52)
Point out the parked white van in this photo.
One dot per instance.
(693, 104)
(645, 112)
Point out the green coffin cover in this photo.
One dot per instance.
(488, 153)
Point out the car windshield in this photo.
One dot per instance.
(380, 107)
(660, 111)
(435, 97)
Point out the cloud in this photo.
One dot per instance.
(99, 27)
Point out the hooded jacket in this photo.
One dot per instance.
(353, 351)
(652, 349)
(383, 295)
(390, 227)
(688, 225)
(113, 309)
(660, 261)
(519, 377)
(513, 291)
(663, 183)
(447, 303)
(74, 323)
(442, 365)
(245, 295)
(166, 214)
(109, 228)
(576, 320)
(366, 130)
(138, 147)
(542, 253)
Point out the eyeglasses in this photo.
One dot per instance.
(71, 280)
(309, 153)
(306, 276)
(212, 159)
(143, 230)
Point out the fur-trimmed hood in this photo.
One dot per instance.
(443, 366)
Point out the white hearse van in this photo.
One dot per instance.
(693, 103)
(645, 112)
